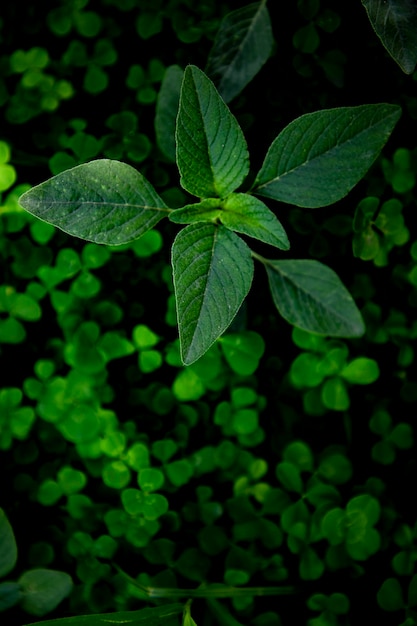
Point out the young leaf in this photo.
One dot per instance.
(43, 590)
(166, 615)
(208, 210)
(395, 23)
(248, 215)
(310, 295)
(320, 156)
(104, 201)
(213, 272)
(167, 109)
(8, 548)
(239, 212)
(243, 44)
(212, 155)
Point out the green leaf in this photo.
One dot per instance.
(212, 155)
(165, 615)
(248, 215)
(334, 394)
(390, 595)
(103, 201)
(239, 212)
(243, 44)
(317, 159)
(188, 620)
(367, 507)
(43, 590)
(335, 468)
(8, 547)
(243, 351)
(361, 371)
(289, 476)
(299, 454)
(212, 271)
(150, 479)
(179, 472)
(395, 23)
(402, 436)
(166, 110)
(208, 210)
(310, 295)
(311, 566)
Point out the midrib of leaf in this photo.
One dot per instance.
(113, 205)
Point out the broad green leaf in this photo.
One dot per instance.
(43, 590)
(208, 210)
(395, 23)
(166, 615)
(317, 159)
(103, 201)
(212, 155)
(8, 548)
(243, 44)
(310, 295)
(213, 271)
(167, 109)
(248, 215)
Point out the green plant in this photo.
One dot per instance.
(111, 451)
(109, 202)
(37, 591)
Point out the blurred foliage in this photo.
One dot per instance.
(273, 460)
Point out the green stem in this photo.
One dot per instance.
(207, 591)
(258, 257)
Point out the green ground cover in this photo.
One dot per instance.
(253, 462)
